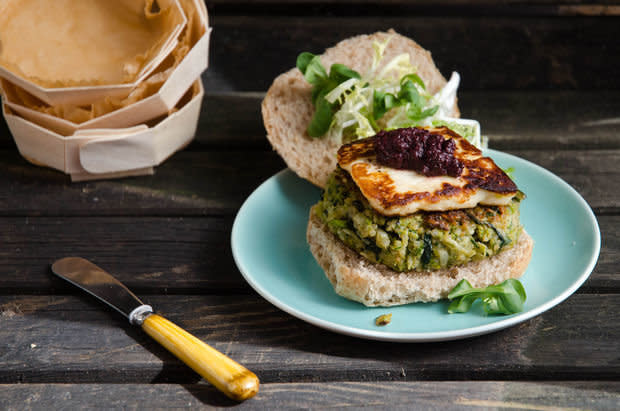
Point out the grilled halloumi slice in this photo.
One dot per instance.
(393, 191)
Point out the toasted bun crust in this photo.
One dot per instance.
(287, 109)
(358, 279)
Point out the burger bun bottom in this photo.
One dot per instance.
(358, 279)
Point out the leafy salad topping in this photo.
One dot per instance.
(504, 298)
(350, 106)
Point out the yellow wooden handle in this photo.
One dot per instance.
(228, 376)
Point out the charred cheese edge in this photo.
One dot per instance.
(402, 192)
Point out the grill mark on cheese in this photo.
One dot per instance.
(356, 150)
(402, 192)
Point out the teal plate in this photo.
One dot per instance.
(269, 246)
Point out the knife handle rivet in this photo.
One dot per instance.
(137, 316)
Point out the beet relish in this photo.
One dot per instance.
(419, 150)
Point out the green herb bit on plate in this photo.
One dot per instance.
(504, 298)
(384, 319)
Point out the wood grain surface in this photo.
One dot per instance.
(541, 77)
(217, 182)
(549, 395)
(512, 119)
(171, 255)
(536, 53)
(95, 344)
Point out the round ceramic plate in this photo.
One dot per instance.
(269, 246)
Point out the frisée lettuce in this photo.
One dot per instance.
(350, 106)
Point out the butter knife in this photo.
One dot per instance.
(225, 374)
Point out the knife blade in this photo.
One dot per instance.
(230, 377)
(98, 283)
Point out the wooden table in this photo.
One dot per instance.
(541, 78)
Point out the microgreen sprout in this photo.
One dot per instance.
(504, 298)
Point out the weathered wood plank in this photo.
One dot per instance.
(512, 120)
(172, 255)
(540, 120)
(189, 183)
(217, 183)
(588, 172)
(605, 275)
(69, 338)
(149, 254)
(490, 53)
(446, 395)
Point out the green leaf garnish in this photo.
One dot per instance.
(382, 103)
(505, 298)
(339, 73)
(420, 115)
(509, 172)
(408, 95)
(347, 105)
(311, 67)
(414, 78)
(322, 118)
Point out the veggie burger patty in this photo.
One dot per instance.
(425, 240)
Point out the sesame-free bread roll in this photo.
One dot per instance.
(358, 279)
(287, 108)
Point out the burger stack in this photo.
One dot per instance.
(101, 89)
